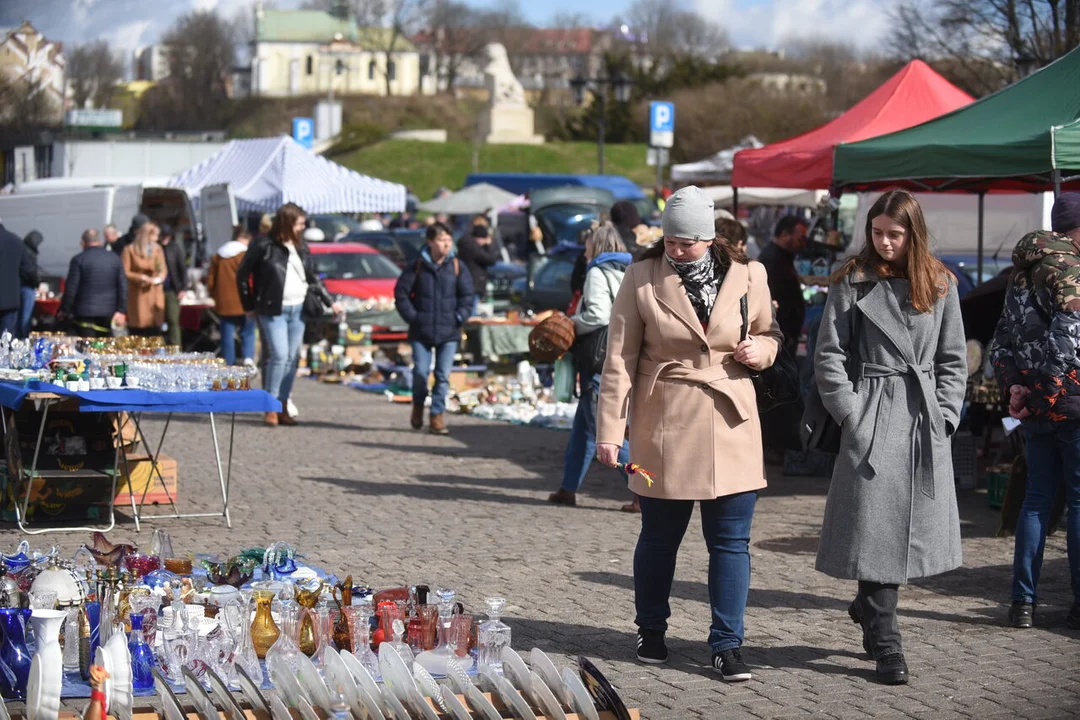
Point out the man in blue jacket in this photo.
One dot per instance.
(435, 297)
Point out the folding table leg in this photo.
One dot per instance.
(221, 473)
(155, 468)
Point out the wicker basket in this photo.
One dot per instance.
(550, 340)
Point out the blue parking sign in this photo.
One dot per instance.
(661, 124)
(303, 131)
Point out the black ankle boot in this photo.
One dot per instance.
(855, 613)
(891, 669)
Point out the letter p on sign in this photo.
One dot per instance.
(661, 124)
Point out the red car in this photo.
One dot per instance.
(354, 270)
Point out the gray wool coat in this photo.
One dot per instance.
(891, 511)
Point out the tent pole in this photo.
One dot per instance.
(1057, 183)
(979, 271)
(735, 201)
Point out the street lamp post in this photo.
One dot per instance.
(598, 86)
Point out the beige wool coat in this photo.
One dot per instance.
(691, 407)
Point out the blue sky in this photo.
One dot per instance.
(129, 24)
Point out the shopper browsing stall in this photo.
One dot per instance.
(435, 297)
(892, 370)
(678, 369)
(144, 264)
(275, 281)
(221, 284)
(95, 294)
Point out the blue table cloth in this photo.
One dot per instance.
(139, 400)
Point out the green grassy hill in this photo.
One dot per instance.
(425, 167)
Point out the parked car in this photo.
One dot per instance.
(334, 226)
(968, 266)
(501, 279)
(401, 246)
(353, 272)
(548, 285)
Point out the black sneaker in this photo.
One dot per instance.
(1021, 613)
(1073, 621)
(651, 648)
(731, 665)
(855, 613)
(892, 669)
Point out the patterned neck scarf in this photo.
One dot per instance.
(701, 280)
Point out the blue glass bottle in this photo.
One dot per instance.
(14, 654)
(142, 657)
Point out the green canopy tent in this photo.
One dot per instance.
(1025, 137)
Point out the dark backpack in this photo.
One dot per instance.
(416, 274)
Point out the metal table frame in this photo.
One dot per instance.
(121, 456)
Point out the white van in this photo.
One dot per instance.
(62, 208)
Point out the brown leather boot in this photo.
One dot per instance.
(417, 419)
(284, 418)
(271, 419)
(438, 425)
(563, 497)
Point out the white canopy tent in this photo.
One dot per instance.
(723, 196)
(265, 174)
(471, 200)
(716, 168)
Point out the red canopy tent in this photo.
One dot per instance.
(910, 97)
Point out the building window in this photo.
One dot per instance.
(391, 70)
(310, 64)
(371, 70)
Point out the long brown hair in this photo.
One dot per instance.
(723, 252)
(281, 228)
(928, 278)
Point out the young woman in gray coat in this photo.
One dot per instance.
(892, 370)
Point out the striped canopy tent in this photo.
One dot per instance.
(265, 174)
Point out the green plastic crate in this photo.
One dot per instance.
(997, 482)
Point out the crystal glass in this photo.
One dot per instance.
(286, 646)
(264, 631)
(42, 599)
(141, 565)
(434, 661)
(323, 632)
(460, 627)
(146, 605)
(71, 640)
(236, 614)
(429, 625)
(494, 636)
(360, 624)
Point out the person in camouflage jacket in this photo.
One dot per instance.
(1036, 356)
(1037, 341)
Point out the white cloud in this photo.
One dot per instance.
(130, 35)
(767, 23)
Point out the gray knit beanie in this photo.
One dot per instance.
(689, 214)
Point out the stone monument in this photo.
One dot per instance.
(508, 119)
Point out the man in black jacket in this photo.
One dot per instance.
(435, 297)
(15, 269)
(136, 222)
(95, 294)
(175, 282)
(778, 257)
(30, 281)
(478, 252)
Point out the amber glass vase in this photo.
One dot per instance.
(264, 631)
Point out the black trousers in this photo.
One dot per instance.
(878, 605)
(92, 327)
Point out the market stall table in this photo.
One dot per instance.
(489, 338)
(136, 402)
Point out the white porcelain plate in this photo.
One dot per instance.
(338, 678)
(278, 711)
(286, 683)
(455, 707)
(459, 679)
(515, 670)
(306, 711)
(251, 691)
(364, 706)
(481, 706)
(582, 702)
(427, 685)
(418, 706)
(204, 704)
(544, 699)
(170, 704)
(513, 699)
(394, 672)
(224, 698)
(394, 709)
(546, 669)
(360, 673)
(318, 693)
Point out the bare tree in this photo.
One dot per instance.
(506, 24)
(201, 55)
(457, 37)
(570, 21)
(672, 28)
(24, 105)
(93, 71)
(993, 42)
(849, 75)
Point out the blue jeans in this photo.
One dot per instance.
(444, 361)
(725, 523)
(284, 333)
(27, 297)
(9, 322)
(581, 450)
(230, 326)
(1053, 457)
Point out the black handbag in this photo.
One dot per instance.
(817, 429)
(590, 351)
(776, 385)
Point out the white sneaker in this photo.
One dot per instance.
(291, 407)
(249, 362)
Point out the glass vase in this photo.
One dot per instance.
(237, 612)
(434, 661)
(360, 625)
(286, 647)
(264, 631)
(14, 653)
(320, 617)
(142, 656)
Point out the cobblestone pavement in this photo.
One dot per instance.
(363, 494)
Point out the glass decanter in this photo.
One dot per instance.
(494, 635)
(286, 647)
(434, 661)
(264, 631)
(142, 656)
(360, 626)
(236, 614)
(324, 628)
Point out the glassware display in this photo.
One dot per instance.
(286, 647)
(71, 639)
(429, 626)
(494, 635)
(360, 624)
(307, 598)
(342, 594)
(180, 566)
(145, 605)
(460, 629)
(140, 565)
(42, 599)
(264, 631)
(236, 614)
(434, 661)
(161, 545)
(14, 654)
(323, 632)
(142, 656)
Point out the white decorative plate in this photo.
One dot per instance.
(204, 704)
(281, 675)
(513, 699)
(455, 708)
(306, 711)
(544, 699)
(481, 706)
(337, 676)
(515, 670)
(546, 669)
(582, 702)
(459, 679)
(361, 674)
(278, 711)
(394, 709)
(364, 706)
(418, 706)
(251, 691)
(318, 694)
(427, 685)
(170, 704)
(224, 698)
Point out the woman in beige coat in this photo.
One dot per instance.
(144, 265)
(678, 368)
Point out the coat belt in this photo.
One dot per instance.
(711, 377)
(921, 460)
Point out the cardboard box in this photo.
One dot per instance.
(76, 498)
(141, 474)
